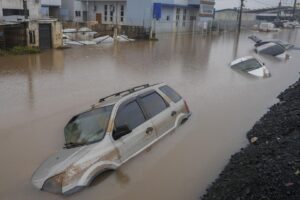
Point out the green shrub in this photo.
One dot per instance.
(20, 50)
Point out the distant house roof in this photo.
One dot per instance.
(273, 9)
(227, 9)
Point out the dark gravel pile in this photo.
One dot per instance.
(269, 167)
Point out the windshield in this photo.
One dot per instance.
(247, 65)
(88, 127)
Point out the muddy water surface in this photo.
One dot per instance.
(40, 93)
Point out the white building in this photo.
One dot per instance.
(165, 15)
(50, 8)
(13, 10)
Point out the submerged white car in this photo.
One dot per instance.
(113, 131)
(250, 65)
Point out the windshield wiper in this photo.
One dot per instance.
(73, 145)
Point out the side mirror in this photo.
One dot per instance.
(121, 131)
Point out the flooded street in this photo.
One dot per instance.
(40, 93)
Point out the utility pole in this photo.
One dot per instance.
(294, 9)
(240, 16)
(279, 10)
(25, 10)
(87, 11)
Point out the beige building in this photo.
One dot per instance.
(232, 15)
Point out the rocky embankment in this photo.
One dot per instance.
(269, 167)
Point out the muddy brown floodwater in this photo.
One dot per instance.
(40, 93)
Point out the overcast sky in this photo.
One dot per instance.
(221, 4)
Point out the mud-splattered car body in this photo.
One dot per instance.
(137, 118)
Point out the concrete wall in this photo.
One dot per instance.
(56, 28)
(51, 2)
(12, 4)
(33, 27)
(139, 13)
(78, 6)
(67, 7)
(1, 12)
(57, 34)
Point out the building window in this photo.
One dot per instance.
(209, 9)
(32, 37)
(105, 12)
(111, 12)
(168, 18)
(192, 18)
(184, 17)
(122, 13)
(177, 16)
(78, 13)
(10, 12)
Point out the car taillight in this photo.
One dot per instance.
(186, 106)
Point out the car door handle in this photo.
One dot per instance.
(173, 113)
(149, 130)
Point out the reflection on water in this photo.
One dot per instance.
(47, 62)
(236, 46)
(40, 93)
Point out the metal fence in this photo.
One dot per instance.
(13, 35)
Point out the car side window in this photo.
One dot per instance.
(131, 115)
(172, 94)
(153, 104)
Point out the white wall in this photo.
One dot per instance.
(139, 13)
(78, 6)
(32, 6)
(12, 4)
(1, 14)
(99, 6)
(67, 7)
(34, 9)
(51, 2)
(174, 25)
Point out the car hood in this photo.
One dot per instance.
(56, 164)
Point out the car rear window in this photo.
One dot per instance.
(174, 96)
(248, 65)
(130, 115)
(274, 50)
(153, 103)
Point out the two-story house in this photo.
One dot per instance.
(22, 24)
(165, 15)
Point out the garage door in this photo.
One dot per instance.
(45, 36)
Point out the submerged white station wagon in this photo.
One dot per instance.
(113, 131)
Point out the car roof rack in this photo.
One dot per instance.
(128, 91)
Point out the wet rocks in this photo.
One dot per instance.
(269, 167)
